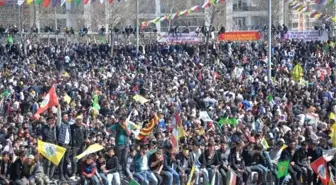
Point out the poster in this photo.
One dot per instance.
(309, 35)
(179, 38)
(240, 36)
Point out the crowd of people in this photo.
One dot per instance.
(182, 86)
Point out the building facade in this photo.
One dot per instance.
(233, 15)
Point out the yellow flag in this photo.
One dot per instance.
(29, 2)
(91, 149)
(67, 99)
(52, 152)
(333, 135)
(140, 99)
(297, 73)
(191, 175)
(264, 143)
(332, 116)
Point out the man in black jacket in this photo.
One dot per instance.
(222, 156)
(5, 165)
(301, 160)
(184, 162)
(209, 162)
(78, 138)
(16, 170)
(49, 135)
(287, 155)
(112, 167)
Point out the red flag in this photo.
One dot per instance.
(46, 3)
(321, 169)
(86, 1)
(49, 101)
(177, 119)
(111, 1)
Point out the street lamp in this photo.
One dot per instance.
(269, 75)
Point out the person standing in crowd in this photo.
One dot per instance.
(49, 134)
(78, 141)
(64, 139)
(5, 165)
(16, 170)
(122, 134)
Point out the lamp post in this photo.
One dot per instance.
(137, 28)
(269, 35)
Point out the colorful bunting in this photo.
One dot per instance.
(20, 2)
(46, 3)
(54, 3)
(38, 2)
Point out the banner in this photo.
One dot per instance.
(240, 36)
(179, 38)
(309, 35)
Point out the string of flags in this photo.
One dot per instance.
(181, 13)
(53, 3)
(303, 8)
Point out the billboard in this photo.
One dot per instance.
(240, 36)
(309, 35)
(179, 38)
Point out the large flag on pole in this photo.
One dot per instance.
(49, 101)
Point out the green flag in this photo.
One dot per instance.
(95, 103)
(223, 121)
(78, 2)
(230, 121)
(10, 39)
(282, 169)
(233, 121)
(38, 2)
(5, 94)
(133, 182)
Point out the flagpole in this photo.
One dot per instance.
(137, 28)
(269, 41)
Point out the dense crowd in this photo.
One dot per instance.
(181, 86)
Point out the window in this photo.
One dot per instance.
(240, 22)
(240, 6)
(294, 16)
(295, 24)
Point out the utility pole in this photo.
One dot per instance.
(137, 29)
(269, 63)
